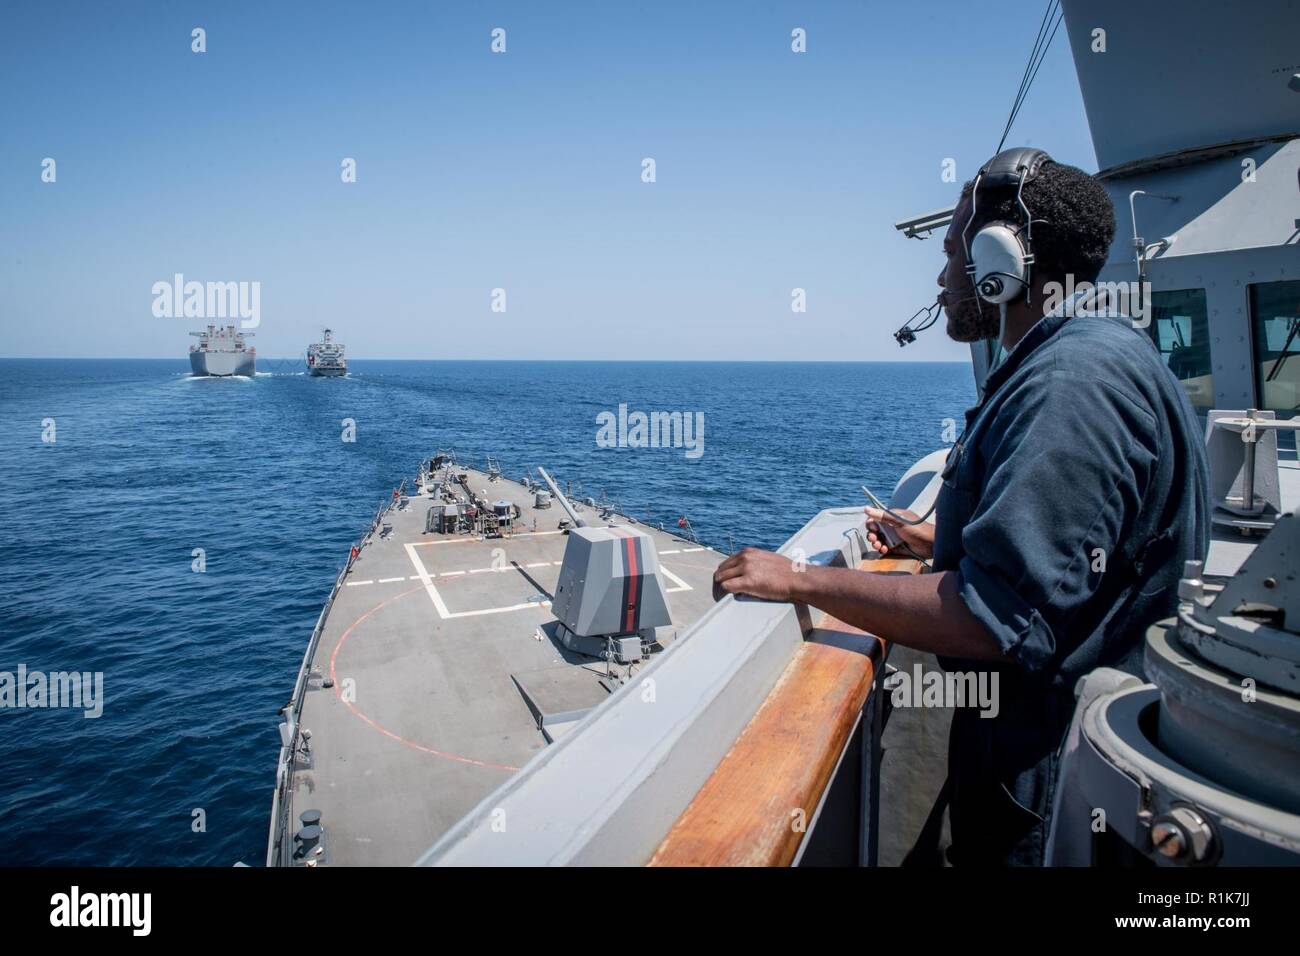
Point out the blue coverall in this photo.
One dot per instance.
(1069, 505)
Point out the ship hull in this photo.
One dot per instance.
(335, 371)
(223, 364)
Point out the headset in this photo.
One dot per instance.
(1000, 256)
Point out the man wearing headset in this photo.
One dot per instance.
(1076, 492)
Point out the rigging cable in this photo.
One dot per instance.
(1047, 28)
(1024, 77)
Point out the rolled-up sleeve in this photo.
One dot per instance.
(1066, 462)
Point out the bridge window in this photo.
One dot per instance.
(1180, 327)
(1275, 319)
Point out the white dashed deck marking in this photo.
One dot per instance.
(476, 540)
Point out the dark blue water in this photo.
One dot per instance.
(97, 531)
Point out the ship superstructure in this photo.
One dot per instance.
(326, 358)
(223, 352)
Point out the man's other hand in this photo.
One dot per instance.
(918, 537)
(760, 574)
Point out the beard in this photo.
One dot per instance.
(970, 318)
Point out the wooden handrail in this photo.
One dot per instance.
(755, 807)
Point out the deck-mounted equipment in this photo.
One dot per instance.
(610, 596)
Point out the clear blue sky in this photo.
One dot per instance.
(521, 171)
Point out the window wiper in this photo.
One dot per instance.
(1286, 351)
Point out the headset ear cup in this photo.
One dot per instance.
(998, 270)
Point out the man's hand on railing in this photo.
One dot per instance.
(922, 611)
(760, 574)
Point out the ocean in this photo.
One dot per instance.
(100, 529)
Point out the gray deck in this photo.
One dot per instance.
(426, 645)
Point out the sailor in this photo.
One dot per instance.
(1068, 506)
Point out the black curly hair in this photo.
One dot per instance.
(1074, 219)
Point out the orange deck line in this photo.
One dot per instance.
(749, 811)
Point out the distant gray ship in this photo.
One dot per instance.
(326, 358)
(222, 352)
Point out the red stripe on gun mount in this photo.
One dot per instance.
(634, 582)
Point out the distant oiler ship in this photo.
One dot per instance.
(223, 352)
(326, 357)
